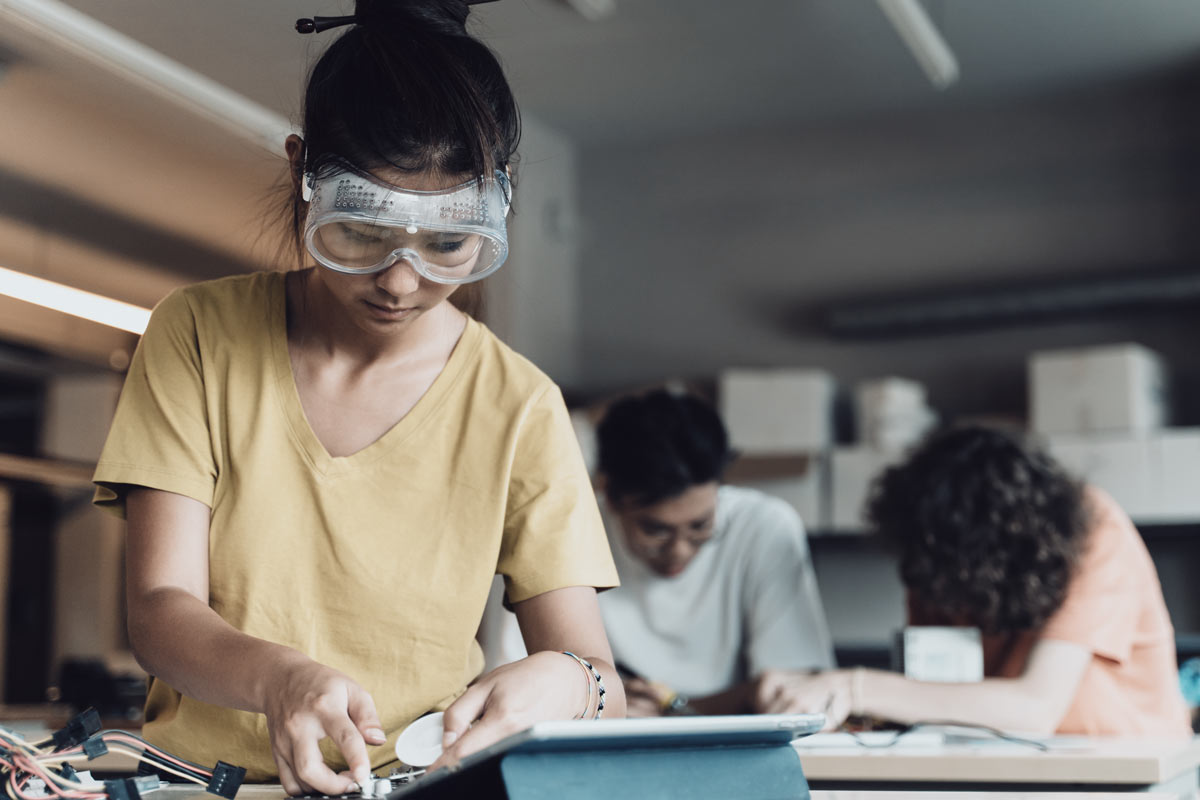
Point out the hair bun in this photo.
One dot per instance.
(442, 16)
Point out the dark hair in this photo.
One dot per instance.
(988, 528)
(657, 445)
(408, 87)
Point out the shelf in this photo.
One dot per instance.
(1155, 528)
(837, 533)
(747, 468)
(53, 472)
(878, 653)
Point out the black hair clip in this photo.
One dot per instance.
(318, 24)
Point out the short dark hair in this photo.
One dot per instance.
(657, 445)
(988, 528)
(407, 87)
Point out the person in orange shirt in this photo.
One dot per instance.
(992, 533)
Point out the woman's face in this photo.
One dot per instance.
(393, 298)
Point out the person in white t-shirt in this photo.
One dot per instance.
(716, 581)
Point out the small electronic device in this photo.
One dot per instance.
(941, 654)
(694, 756)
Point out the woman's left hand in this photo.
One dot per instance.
(643, 698)
(544, 686)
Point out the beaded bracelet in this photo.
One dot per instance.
(589, 675)
(587, 679)
(594, 675)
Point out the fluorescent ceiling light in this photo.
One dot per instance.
(61, 26)
(76, 302)
(912, 22)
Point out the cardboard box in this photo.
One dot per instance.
(851, 472)
(1154, 477)
(889, 396)
(1175, 461)
(1120, 464)
(806, 493)
(897, 432)
(892, 413)
(1116, 388)
(777, 411)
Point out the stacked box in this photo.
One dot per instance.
(892, 413)
(851, 473)
(804, 492)
(1115, 388)
(1154, 477)
(777, 411)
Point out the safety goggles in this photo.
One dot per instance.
(358, 224)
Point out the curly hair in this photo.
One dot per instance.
(988, 528)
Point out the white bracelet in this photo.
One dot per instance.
(594, 674)
(587, 678)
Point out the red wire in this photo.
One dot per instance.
(163, 754)
(22, 768)
(32, 768)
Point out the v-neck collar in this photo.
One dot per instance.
(289, 395)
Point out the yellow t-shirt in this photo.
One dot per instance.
(377, 564)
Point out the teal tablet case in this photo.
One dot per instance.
(747, 772)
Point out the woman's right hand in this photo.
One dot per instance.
(178, 637)
(304, 702)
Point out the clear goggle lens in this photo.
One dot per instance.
(365, 247)
(357, 224)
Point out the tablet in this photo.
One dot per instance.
(690, 732)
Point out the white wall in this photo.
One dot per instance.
(533, 301)
(722, 251)
(719, 251)
(89, 618)
(860, 590)
(78, 410)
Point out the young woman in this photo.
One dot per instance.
(992, 534)
(323, 469)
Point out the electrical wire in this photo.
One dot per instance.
(24, 765)
(129, 751)
(138, 741)
(901, 732)
(141, 751)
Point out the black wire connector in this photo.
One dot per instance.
(130, 788)
(226, 780)
(95, 747)
(78, 729)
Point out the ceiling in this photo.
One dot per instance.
(667, 68)
(106, 187)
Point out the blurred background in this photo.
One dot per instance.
(828, 217)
